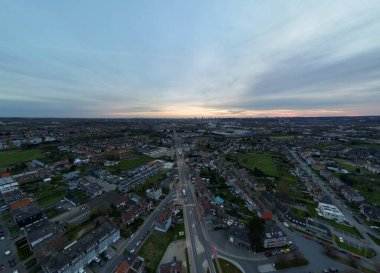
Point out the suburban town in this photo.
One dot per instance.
(197, 195)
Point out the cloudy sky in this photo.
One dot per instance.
(78, 58)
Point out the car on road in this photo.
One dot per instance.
(2, 267)
(133, 250)
(268, 253)
(7, 253)
(333, 270)
(341, 239)
(325, 271)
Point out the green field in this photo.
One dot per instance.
(282, 137)
(226, 266)
(263, 162)
(343, 228)
(347, 165)
(362, 251)
(367, 185)
(299, 212)
(8, 158)
(127, 164)
(149, 183)
(155, 246)
(46, 193)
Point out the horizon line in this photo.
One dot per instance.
(195, 117)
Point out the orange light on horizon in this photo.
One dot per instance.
(198, 112)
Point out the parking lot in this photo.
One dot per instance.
(9, 260)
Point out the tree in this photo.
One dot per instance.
(257, 172)
(283, 187)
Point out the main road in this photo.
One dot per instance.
(199, 249)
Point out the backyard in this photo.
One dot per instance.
(155, 246)
(45, 193)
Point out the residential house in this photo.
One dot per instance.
(371, 213)
(173, 267)
(164, 219)
(81, 252)
(132, 264)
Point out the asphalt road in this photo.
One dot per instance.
(200, 256)
(8, 244)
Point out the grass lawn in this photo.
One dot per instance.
(299, 212)
(343, 228)
(8, 158)
(366, 145)
(46, 193)
(14, 230)
(155, 246)
(24, 253)
(349, 166)
(51, 213)
(374, 238)
(76, 231)
(226, 266)
(282, 137)
(130, 163)
(362, 252)
(150, 182)
(6, 217)
(367, 185)
(283, 264)
(263, 162)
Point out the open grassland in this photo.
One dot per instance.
(45, 193)
(8, 158)
(283, 138)
(367, 185)
(130, 163)
(263, 162)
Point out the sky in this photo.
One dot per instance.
(161, 58)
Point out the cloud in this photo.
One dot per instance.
(250, 59)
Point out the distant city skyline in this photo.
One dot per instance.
(122, 59)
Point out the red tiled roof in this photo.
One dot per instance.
(123, 267)
(19, 204)
(6, 174)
